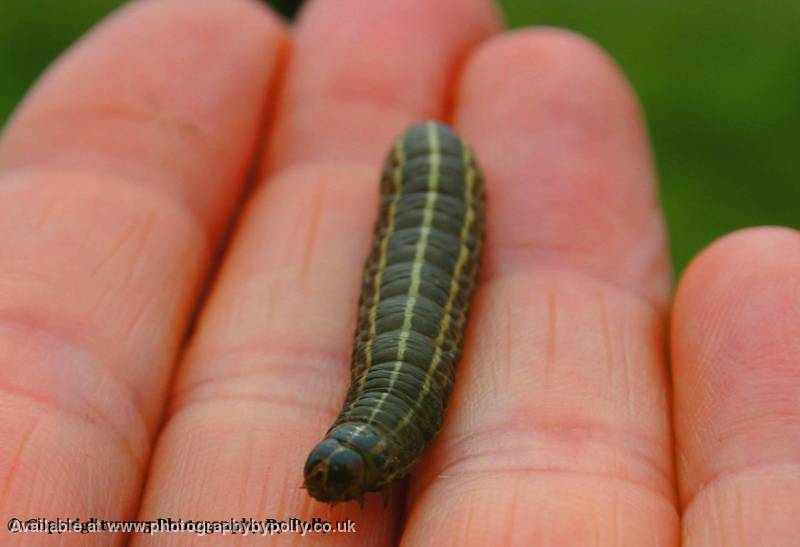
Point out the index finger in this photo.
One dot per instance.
(117, 177)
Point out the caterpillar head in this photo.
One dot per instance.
(335, 472)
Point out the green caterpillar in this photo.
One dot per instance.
(418, 283)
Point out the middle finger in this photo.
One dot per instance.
(266, 371)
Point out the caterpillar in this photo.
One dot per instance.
(418, 282)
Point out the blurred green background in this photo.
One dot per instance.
(719, 81)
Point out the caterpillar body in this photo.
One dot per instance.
(418, 282)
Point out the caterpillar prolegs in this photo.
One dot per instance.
(418, 283)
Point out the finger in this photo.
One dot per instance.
(557, 432)
(107, 240)
(269, 363)
(736, 374)
(569, 158)
(362, 72)
(187, 100)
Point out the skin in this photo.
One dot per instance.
(174, 340)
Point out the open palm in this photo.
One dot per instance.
(177, 294)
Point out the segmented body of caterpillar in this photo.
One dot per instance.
(418, 283)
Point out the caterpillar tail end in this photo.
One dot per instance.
(335, 472)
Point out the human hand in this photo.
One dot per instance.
(123, 171)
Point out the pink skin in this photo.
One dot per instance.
(123, 170)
